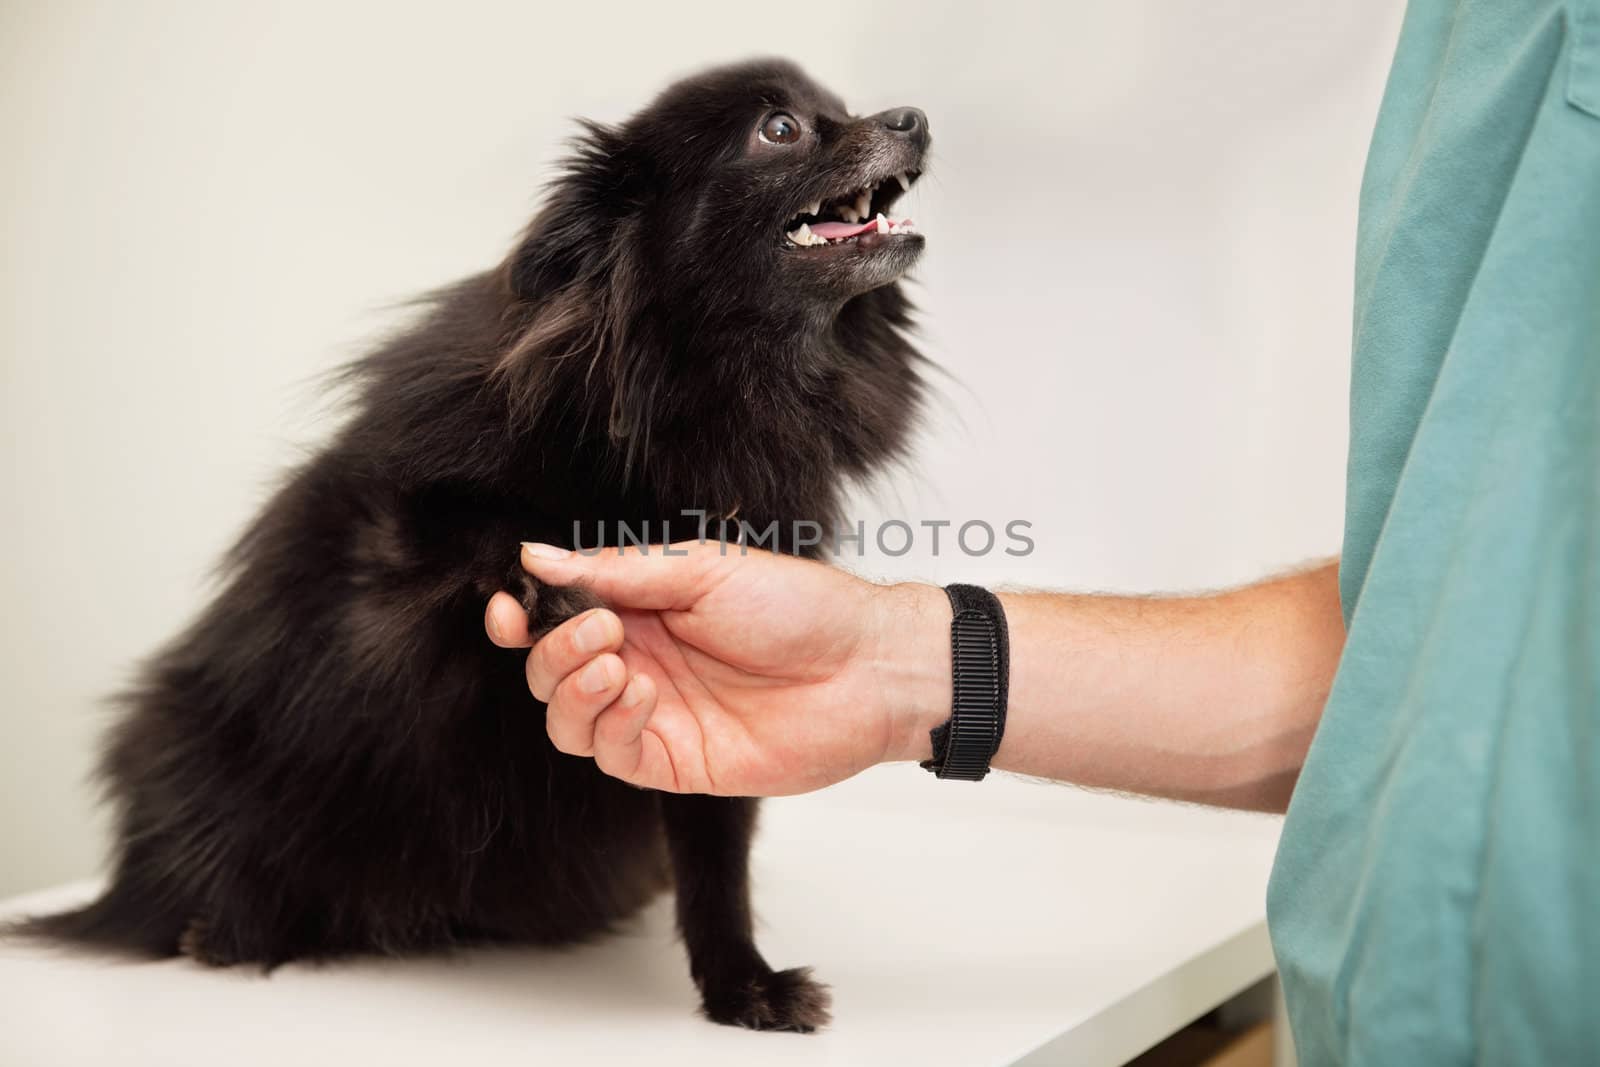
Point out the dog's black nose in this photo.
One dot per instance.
(907, 122)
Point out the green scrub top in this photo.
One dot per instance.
(1436, 897)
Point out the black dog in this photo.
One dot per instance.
(334, 759)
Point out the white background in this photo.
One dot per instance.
(1140, 227)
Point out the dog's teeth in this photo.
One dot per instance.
(905, 183)
(848, 213)
(864, 204)
(813, 208)
(801, 235)
(884, 225)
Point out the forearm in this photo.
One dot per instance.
(1211, 699)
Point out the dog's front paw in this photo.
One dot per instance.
(548, 606)
(769, 1000)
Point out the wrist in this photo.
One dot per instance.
(911, 662)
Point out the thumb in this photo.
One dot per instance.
(648, 577)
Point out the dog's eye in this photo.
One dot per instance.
(780, 128)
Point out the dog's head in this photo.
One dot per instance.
(745, 189)
(723, 266)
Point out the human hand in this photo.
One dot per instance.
(731, 671)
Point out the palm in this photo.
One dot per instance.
(735, 715)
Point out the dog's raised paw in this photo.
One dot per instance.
(548, 606)
(777, 1000)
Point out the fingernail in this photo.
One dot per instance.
(596, 677)
(594, 633)
(543, 551)
(494, 626)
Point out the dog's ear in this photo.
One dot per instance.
(574, 237)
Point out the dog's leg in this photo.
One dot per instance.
(709, 838)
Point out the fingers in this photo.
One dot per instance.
(578, 700)
(598, 711)
(570, 646)
(575, 669)
(592, 713)
(618, 735)
(656, 577)
(507, 622)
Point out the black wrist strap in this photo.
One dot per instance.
(980, 669)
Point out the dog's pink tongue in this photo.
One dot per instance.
(836, 231)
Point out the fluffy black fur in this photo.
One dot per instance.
(334, 759)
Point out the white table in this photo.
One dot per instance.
(1111, 923)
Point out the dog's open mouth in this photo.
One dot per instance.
(859, 213)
